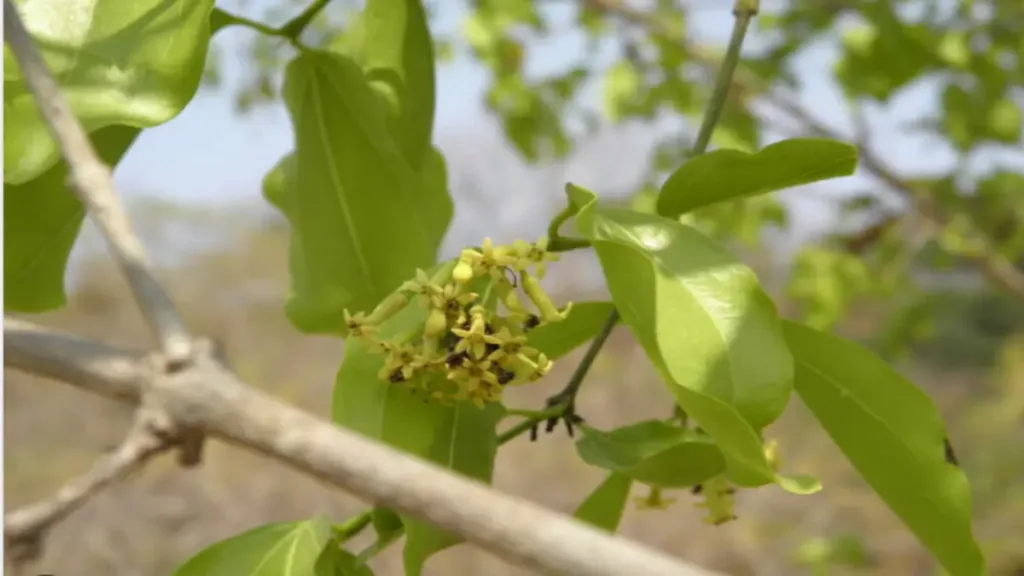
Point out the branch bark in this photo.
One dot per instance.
(208, 397)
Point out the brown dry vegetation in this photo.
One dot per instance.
(150, 523)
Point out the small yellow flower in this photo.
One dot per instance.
(402, 363)
(534, 254)
(476, 338)
(489, 258)
(509, 345)
(452, 300)
(422, 286)
(357, 325)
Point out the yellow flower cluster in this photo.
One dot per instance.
(466, 351)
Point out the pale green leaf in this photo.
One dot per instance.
(604, 506)
(725, 175)
(399, 63)
(653, 452)
(703, 320)
(130, 62)
(585, 320)
(280, 549)
(42, 218)
(893, 435)
(362, 219)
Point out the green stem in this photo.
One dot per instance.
(559, 243)
(290, 30)
(744, 10)
(353, 526)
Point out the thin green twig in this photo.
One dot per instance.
(290, 30)
(350, 528)
(559, 243)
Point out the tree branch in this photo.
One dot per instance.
(206, 396)
(24, 528)
(91, 180)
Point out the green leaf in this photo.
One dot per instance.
(731, 174)
(292, 548)
(399, 62)
(336, 561)
(461, 437)
(130, 62)
(556, 339)
(42, 218)
(893, 435)
(604, 506)
(653, 452)
(363, 220)
(705, 323)
(464, 442)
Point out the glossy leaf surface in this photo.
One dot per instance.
(118, 62)
(704, 321)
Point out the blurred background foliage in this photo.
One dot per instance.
(926, 266)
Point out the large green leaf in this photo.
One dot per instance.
(604, 506)
(292, 548)
(653, 452)
(893, 435)
(556, 339)
(731, 174)
(130, 62)
(42, 218)
(363, 220)
(465, 441)
(398, 55)
(705, 323)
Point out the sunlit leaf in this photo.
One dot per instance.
(724, 175)
(604, 506)
(653, 452)
(893, 435)
(270, 550)
(42, 218)
(125, 62)
(705, 323)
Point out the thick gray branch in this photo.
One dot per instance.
(210, 398)
(91, 180)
